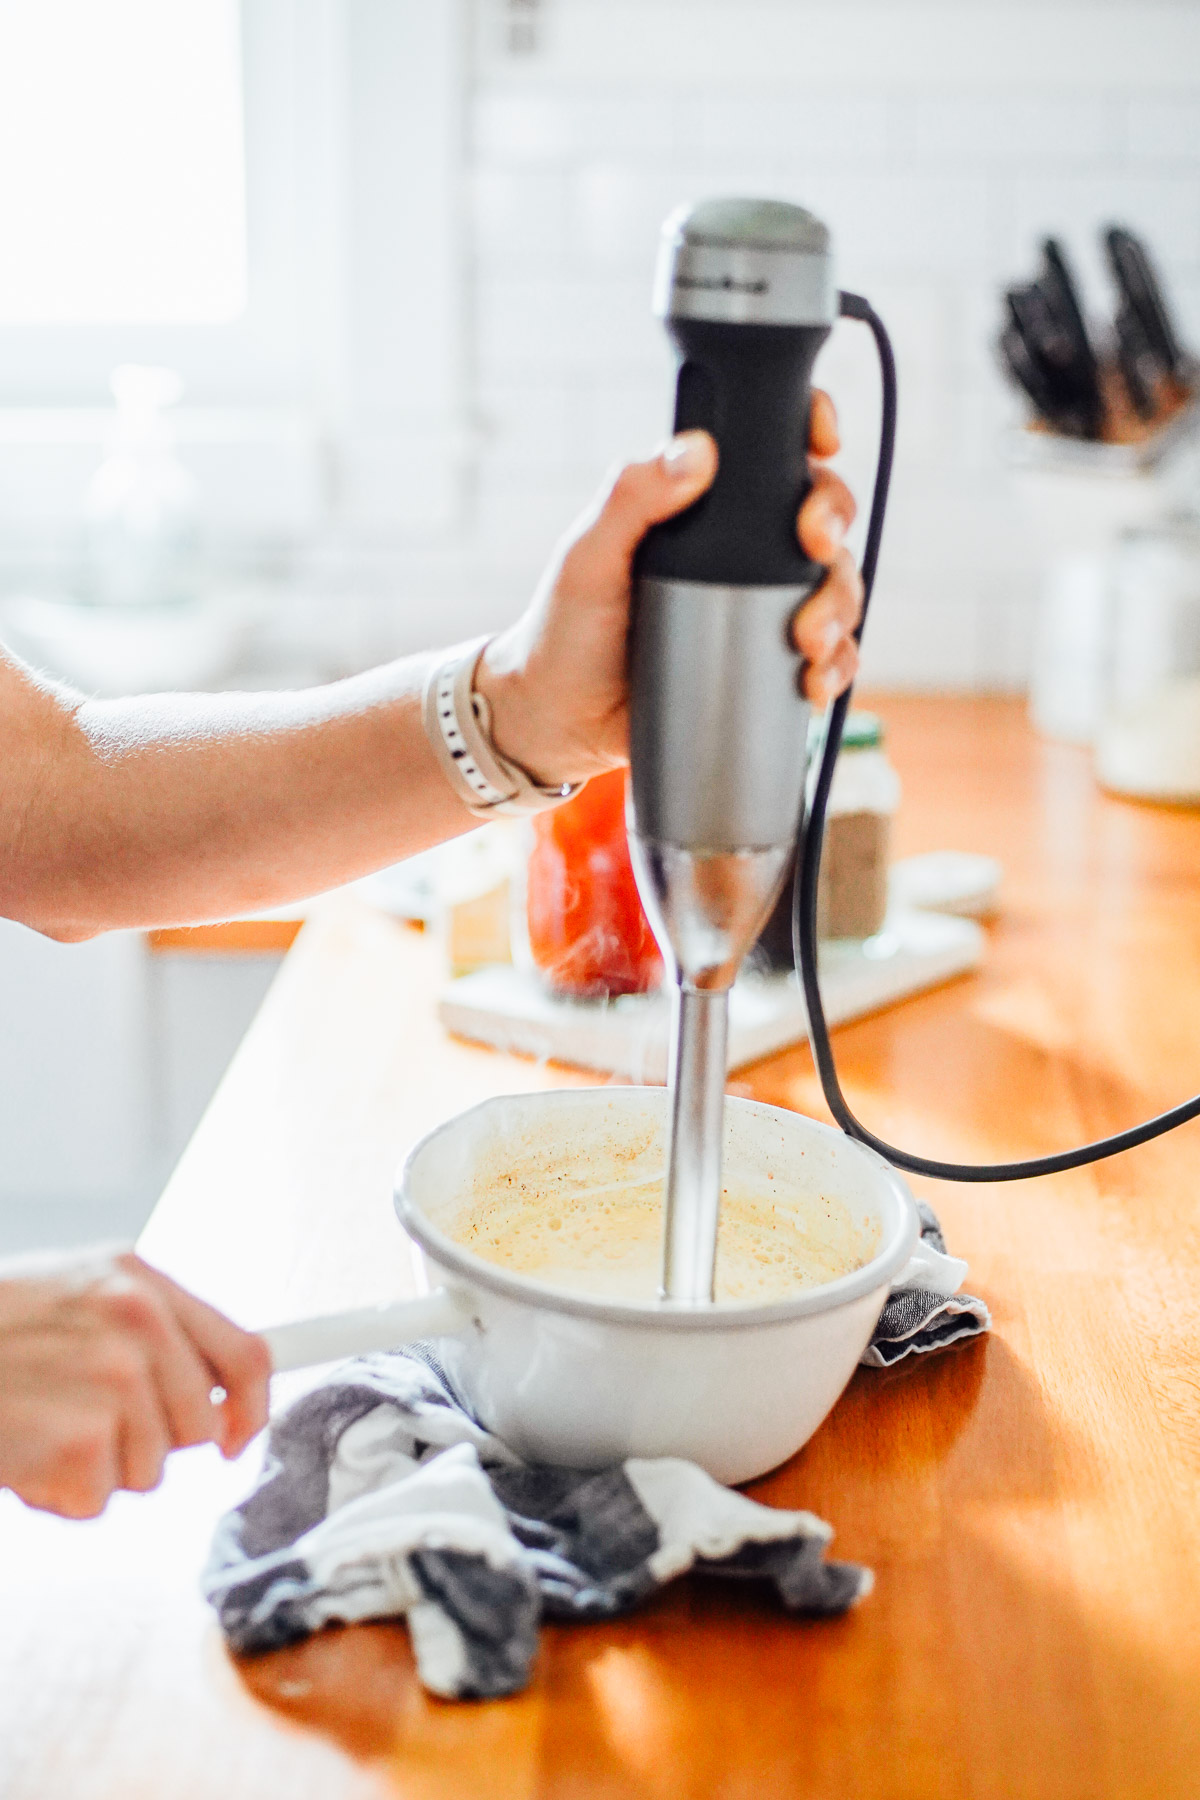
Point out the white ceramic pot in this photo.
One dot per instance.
(564, 1378)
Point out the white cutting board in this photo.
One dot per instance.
(628, 1035)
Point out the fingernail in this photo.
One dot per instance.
(831, 637)
(835, 529)
(686, 456)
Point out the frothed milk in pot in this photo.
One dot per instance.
(593, 1225)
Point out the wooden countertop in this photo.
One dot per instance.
(1029, 1503)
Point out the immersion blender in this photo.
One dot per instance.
(719, 724)
(718, 727)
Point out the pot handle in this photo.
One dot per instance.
(305, 1342)
(929, 1269)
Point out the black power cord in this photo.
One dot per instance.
(808, 863)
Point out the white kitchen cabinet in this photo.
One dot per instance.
(108, 1056)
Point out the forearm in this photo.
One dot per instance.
(187, 807)
(181, 808)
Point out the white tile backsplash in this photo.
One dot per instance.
(531, 428)
(840, 128)
(537, 128)
(873, 46)
(940, 141)
(1164, 205)
(1165, 126)
(627, 418)
(521, 218)
(1008, 130)
(567, 328)
(1186, 295)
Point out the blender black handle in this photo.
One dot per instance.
(750, 386)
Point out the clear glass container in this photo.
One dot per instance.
(1148, 743)
(141, 511)
(852, 895)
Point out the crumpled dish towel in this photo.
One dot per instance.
(914, 1319)
(382, 1496)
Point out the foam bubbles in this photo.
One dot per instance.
(605, 1240)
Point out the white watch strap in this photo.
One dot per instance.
(459, 726)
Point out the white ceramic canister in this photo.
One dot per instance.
(1148, 743)
(565, 1378)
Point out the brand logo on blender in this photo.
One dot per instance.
(722, 284)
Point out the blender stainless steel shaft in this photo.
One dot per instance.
(718, 719)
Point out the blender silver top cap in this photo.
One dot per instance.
(745, 262)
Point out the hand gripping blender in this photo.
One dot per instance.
(719, 723)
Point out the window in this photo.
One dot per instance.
(122, 195)
(240, 190)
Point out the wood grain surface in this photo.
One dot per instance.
(232, 937)
(1028, 1503)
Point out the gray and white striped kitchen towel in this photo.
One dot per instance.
(914, 1320)
(382, 1496)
